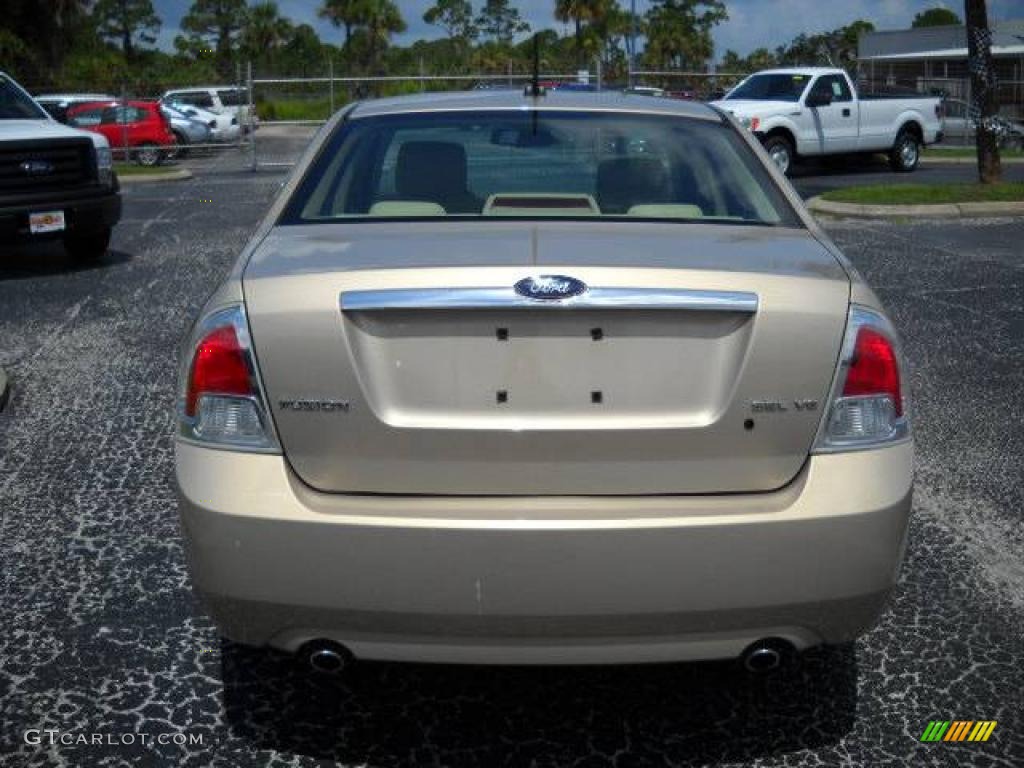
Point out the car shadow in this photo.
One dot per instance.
(43, 259)
(841, 165)
(404, 714)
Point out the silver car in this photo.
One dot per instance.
(186, 130)
(558, 379)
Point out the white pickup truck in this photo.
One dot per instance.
(56, 183)
(814, 111)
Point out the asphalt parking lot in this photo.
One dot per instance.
(102, 636)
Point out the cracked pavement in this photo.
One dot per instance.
(101, 634)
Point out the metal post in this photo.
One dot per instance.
(632, 41)
(423, 83)
(597, 68)
(330, 70)
(119, 114)
(252, 108)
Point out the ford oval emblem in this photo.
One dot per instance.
(550, 287)
(36, 167)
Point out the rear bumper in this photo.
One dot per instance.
(543, 580)
(85, 213)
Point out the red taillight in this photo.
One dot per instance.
(874, 369)
(218, 367)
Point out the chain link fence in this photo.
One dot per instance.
(961, 115)
(290, 109)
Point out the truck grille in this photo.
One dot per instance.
(45, 164)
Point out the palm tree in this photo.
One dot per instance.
(344, 13)
(577, 11)
(381, 19)
(264, 30)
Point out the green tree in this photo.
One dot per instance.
(837, 47)
(128, 22)
(264, 32)
(455, 17)
(679, 31)
(500, 22)
(382, 19)
(760, 58)
(35, 43)
(303, 53)
(936, 17)
(611, 27)
(348, 14)
(579, 12)
(732, 62)
(213, 24)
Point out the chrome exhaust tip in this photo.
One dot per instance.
(327, 657)
(767, 655)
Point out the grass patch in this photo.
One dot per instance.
(925, 194)
(939, 152)
(130, 169)
(296, 109)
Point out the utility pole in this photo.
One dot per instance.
(983, 85)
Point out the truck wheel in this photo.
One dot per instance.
(148, 155)
(905, 152)
(86, 248)
(781, 152)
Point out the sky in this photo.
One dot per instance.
(752, 23)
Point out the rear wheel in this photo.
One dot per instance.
(905, 153)
(86, 248)
(180, 148)
(780, 150)
(148, 155)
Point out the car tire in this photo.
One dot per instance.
(180, 149)
(781, 151)
(148, 155)
(88, 248)
(905, 152)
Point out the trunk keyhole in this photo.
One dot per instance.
(596, 334)
(748, 424)
(501, 396)
(597, 397)
(501, 333)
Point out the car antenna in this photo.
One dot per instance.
(534, 89)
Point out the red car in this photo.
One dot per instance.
(137, 125)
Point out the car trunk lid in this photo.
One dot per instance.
(401, 360)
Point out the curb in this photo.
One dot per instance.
(936, 158)
(4, 389)
(944, 210)
(151, 178)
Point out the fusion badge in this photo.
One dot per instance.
(328, 406)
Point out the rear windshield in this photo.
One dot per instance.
(537, 164)
(771, 88)
(233, 97)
